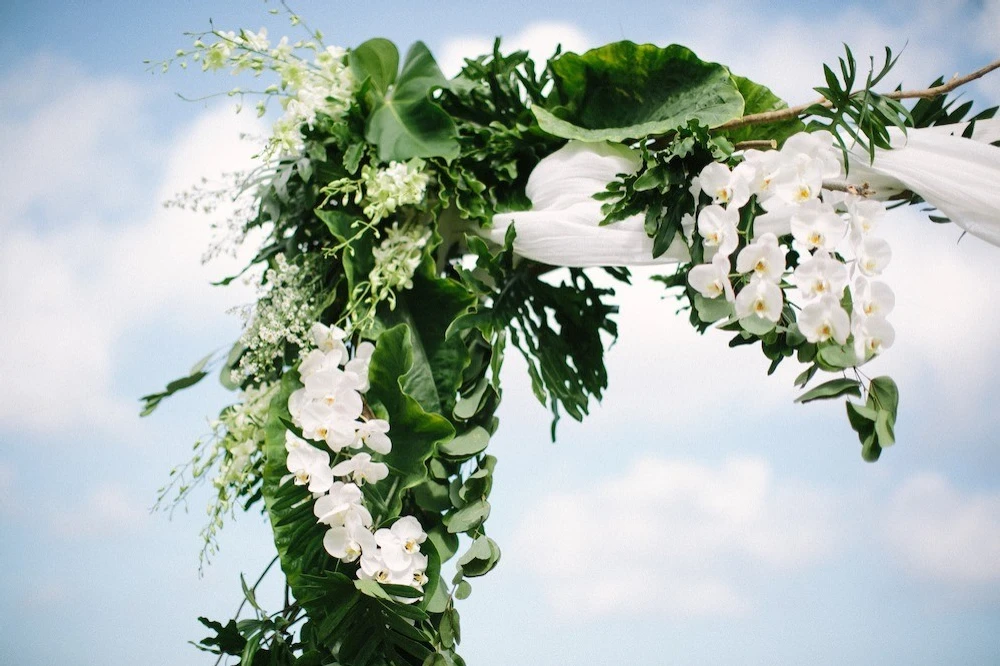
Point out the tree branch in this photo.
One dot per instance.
(796, 111)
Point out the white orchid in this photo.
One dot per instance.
(764, 257)
(718, 228)
(350, 541)
(824, 319)
(873, 256)
(328, 338)
(361, 469)
(872, 298)
(563, 226)
(342, 505)
(728, 188)
(401, 543)
(357, 367)
(712, 280)
(820, 275)
(309, 466)
(372, 433)
(872, 335)
(817, 226)
(760, 298)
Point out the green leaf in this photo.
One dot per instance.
(480, 559)
(406, 122)
(629, 91)
(885, 428)
(837, 357)
(450, 629)
(376, 60)
(832, 389)
(757, 325)
(760, 99)
(886, 394)
(467, 444)
(415, 432)
(432, 304)
(711, 310)
(153, 400)
(469, 517)
(463, 590)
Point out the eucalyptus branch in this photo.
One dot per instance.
(796, 111)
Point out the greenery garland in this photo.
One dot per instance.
(413, 224)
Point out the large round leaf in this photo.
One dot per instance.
(628, 91)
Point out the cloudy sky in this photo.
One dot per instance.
(698, 517)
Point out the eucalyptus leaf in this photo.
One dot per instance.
(832, 389)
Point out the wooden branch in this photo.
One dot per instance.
(796, 111)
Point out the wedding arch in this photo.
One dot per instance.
(417, 226)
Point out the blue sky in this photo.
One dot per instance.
(698, 517)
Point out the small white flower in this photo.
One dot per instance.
(730, 188)
(349, 542)
(400, 543)
(717, 226)
(872, 298)
(872, 335)
(372, 433)
(361, 469)
(824, 319)
(341, 506)
(764, 257)
(761, 298)
(820, 275)
(712, 280)
(309, 466)
(873, 256)
(817, 227)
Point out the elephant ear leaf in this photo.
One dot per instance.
(404, 122)
(628, 91)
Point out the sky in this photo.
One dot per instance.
(697, 517)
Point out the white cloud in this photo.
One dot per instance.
(669, 536)
(539, 39)
(107, 510)
(944, 533)
(73, 283)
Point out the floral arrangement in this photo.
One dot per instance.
(416, 225)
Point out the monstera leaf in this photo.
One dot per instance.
(404, 122)
(628, 91)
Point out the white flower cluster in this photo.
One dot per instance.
(326, 86)
(831, 230)
(329, 409)
(242, 425)
(399, 184)
(397, 258)
(280, 316)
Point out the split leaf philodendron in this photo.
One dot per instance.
(413, 227)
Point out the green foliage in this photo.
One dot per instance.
(415, 431)
(404, 121)
(629, 91)
(862, 115)
(875, 420)
(153, 400)
(760, 99)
